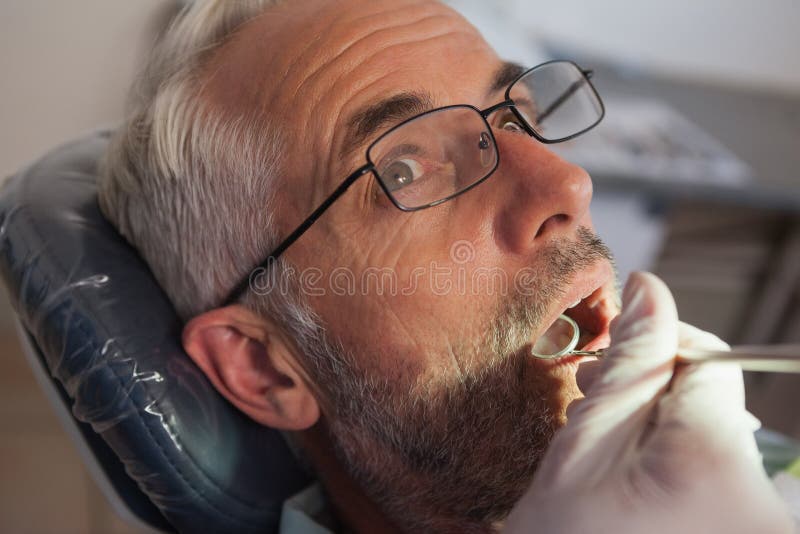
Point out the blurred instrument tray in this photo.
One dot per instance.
(647, 139)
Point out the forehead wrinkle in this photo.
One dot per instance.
(354, 46)
(434, 19)
(351, 55)
(362, 19)
(356, 89)
(319, 136)
(342, 25)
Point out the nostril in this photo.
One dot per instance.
(552, 222)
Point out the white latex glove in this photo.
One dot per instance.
(654, 448)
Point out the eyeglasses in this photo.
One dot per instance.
(440, 154)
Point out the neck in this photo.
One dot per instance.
(355, 511)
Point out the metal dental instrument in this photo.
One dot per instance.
(562, 337)
(766, 358)
(559, 340)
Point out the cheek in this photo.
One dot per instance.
(423, 299)
(424, 329)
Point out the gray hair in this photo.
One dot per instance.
(186, 183)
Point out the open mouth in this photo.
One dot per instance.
(595, 304)
(593, 315)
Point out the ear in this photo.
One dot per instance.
(253, 365)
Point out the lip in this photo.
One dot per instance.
(596, 278)
(569, 360)
(568, 364)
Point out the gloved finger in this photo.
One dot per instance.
(721, 383)
(636, 370)
(644, 336)
(688, 337)
(706, 407)
(573, 407)
(588, 371)
(691, 337)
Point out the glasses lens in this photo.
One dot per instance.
(434, 156)
(557, 100)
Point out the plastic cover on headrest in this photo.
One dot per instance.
(112, 340)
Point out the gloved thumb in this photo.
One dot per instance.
(635, 371)
(709, 396)
(644, 337)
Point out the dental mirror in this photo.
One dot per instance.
(559, 340)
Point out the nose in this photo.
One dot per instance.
(542, 196)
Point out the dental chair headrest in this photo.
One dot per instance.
(110, 339)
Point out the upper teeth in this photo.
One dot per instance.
(575, 303)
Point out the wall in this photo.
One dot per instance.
(66, 66)
(746, 42)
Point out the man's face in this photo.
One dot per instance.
(431, 313)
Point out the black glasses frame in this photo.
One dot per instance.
(236, 293)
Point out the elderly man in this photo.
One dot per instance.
(358, 144)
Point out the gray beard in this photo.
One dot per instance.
(454, 456)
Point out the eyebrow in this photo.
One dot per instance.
(505, 75)
(395, 109)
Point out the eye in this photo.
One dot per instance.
(512, 126)
(401, 172)
(509, 122)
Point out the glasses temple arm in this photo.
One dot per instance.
(244, 284)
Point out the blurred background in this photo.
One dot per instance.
(695, 169)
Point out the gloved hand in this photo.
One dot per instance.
(653, 447)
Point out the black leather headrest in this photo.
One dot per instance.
(111, 338)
